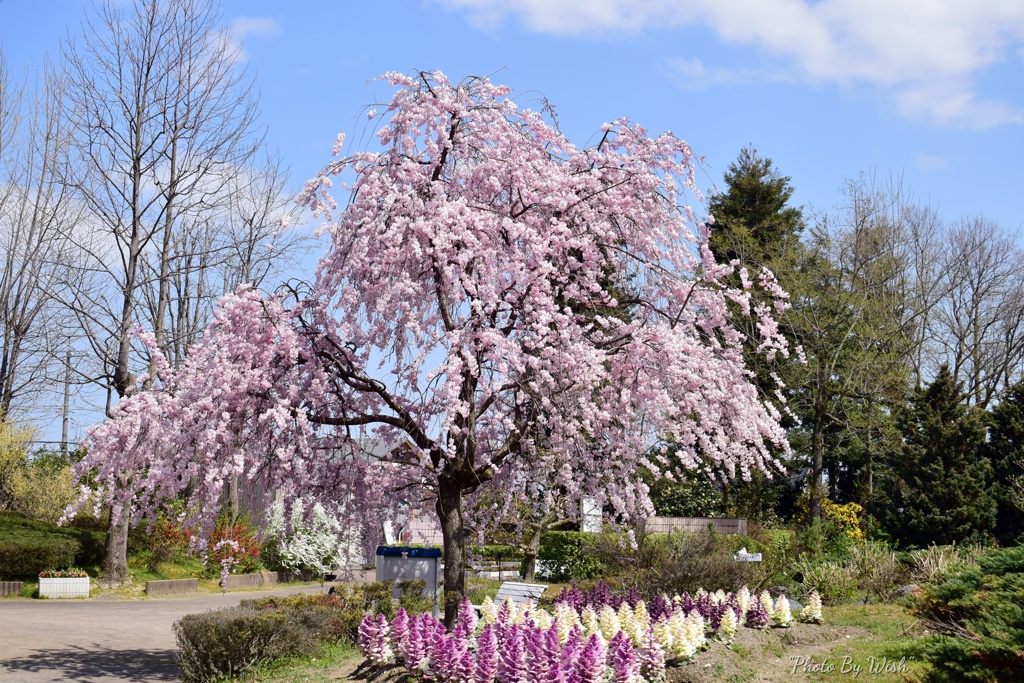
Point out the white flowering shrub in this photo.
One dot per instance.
(316, 544)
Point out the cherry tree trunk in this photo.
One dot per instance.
(449, 512)
(532, 550)
(115, 558)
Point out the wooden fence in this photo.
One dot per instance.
(723, 525)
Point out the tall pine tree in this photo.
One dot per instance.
(755, 225)
(940, 486)
(1005, 450)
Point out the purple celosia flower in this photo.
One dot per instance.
(757, 615)
(400, 629)
(415, 651)
(652, 657)
(571, 596)
(570, 653)
(511, 659)
(590, 664)
(659, 607)
(504, 614)
(373, 639)
(367, 631)
(443, 659)
(625, 663)
(466, 615)
(538, 659)
(486, 655)
(463, 669)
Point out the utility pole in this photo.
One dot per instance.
(67, 401)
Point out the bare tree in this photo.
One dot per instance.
(35, 259)
(978, 328)
(164, 123)
(863, 291)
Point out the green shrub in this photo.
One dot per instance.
(674, 563)
(28, 547)
(567, 555)
(346, 607)
(24, 559)
(877, 569)
(411, 597)
(979, 615)
(234, 641)
(834, 580)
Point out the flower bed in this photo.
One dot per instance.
(590, 638)
(68, 583)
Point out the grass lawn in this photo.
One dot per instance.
(865, 640)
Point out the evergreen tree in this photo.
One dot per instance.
(939, 492)
(1005, 450)
(755, 224)
(753, 219)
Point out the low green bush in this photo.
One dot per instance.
(234, 641)
(835, 580)
(979, 615)
(568, 556)
(674, 563)
(347, 607)
(411, 597)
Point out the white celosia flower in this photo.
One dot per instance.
(766, 600)
(590, 621)
(609, 621)
(744, 599)
(488, 611)
(811, 613)
(782, 615)
(565, 618)
(727, 629)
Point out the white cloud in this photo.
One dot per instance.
(923, 55)
(929, 163)
(692, 74)
(243, 27)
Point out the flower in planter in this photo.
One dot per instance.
(62, 574)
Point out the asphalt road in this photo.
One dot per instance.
(100, 640)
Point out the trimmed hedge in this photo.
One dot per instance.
(28, 547)
(24, 559)
(568, 556)
(235, 640)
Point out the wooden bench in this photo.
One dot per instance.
(519, 592)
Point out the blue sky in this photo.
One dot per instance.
(930, 89)
(828, 89)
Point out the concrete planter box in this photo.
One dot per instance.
(64, 588)
(10, 587)
(171, 587)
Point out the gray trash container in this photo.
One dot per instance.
(399, 563)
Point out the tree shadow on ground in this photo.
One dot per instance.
(93, 665)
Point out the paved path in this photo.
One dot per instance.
(101, 640)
